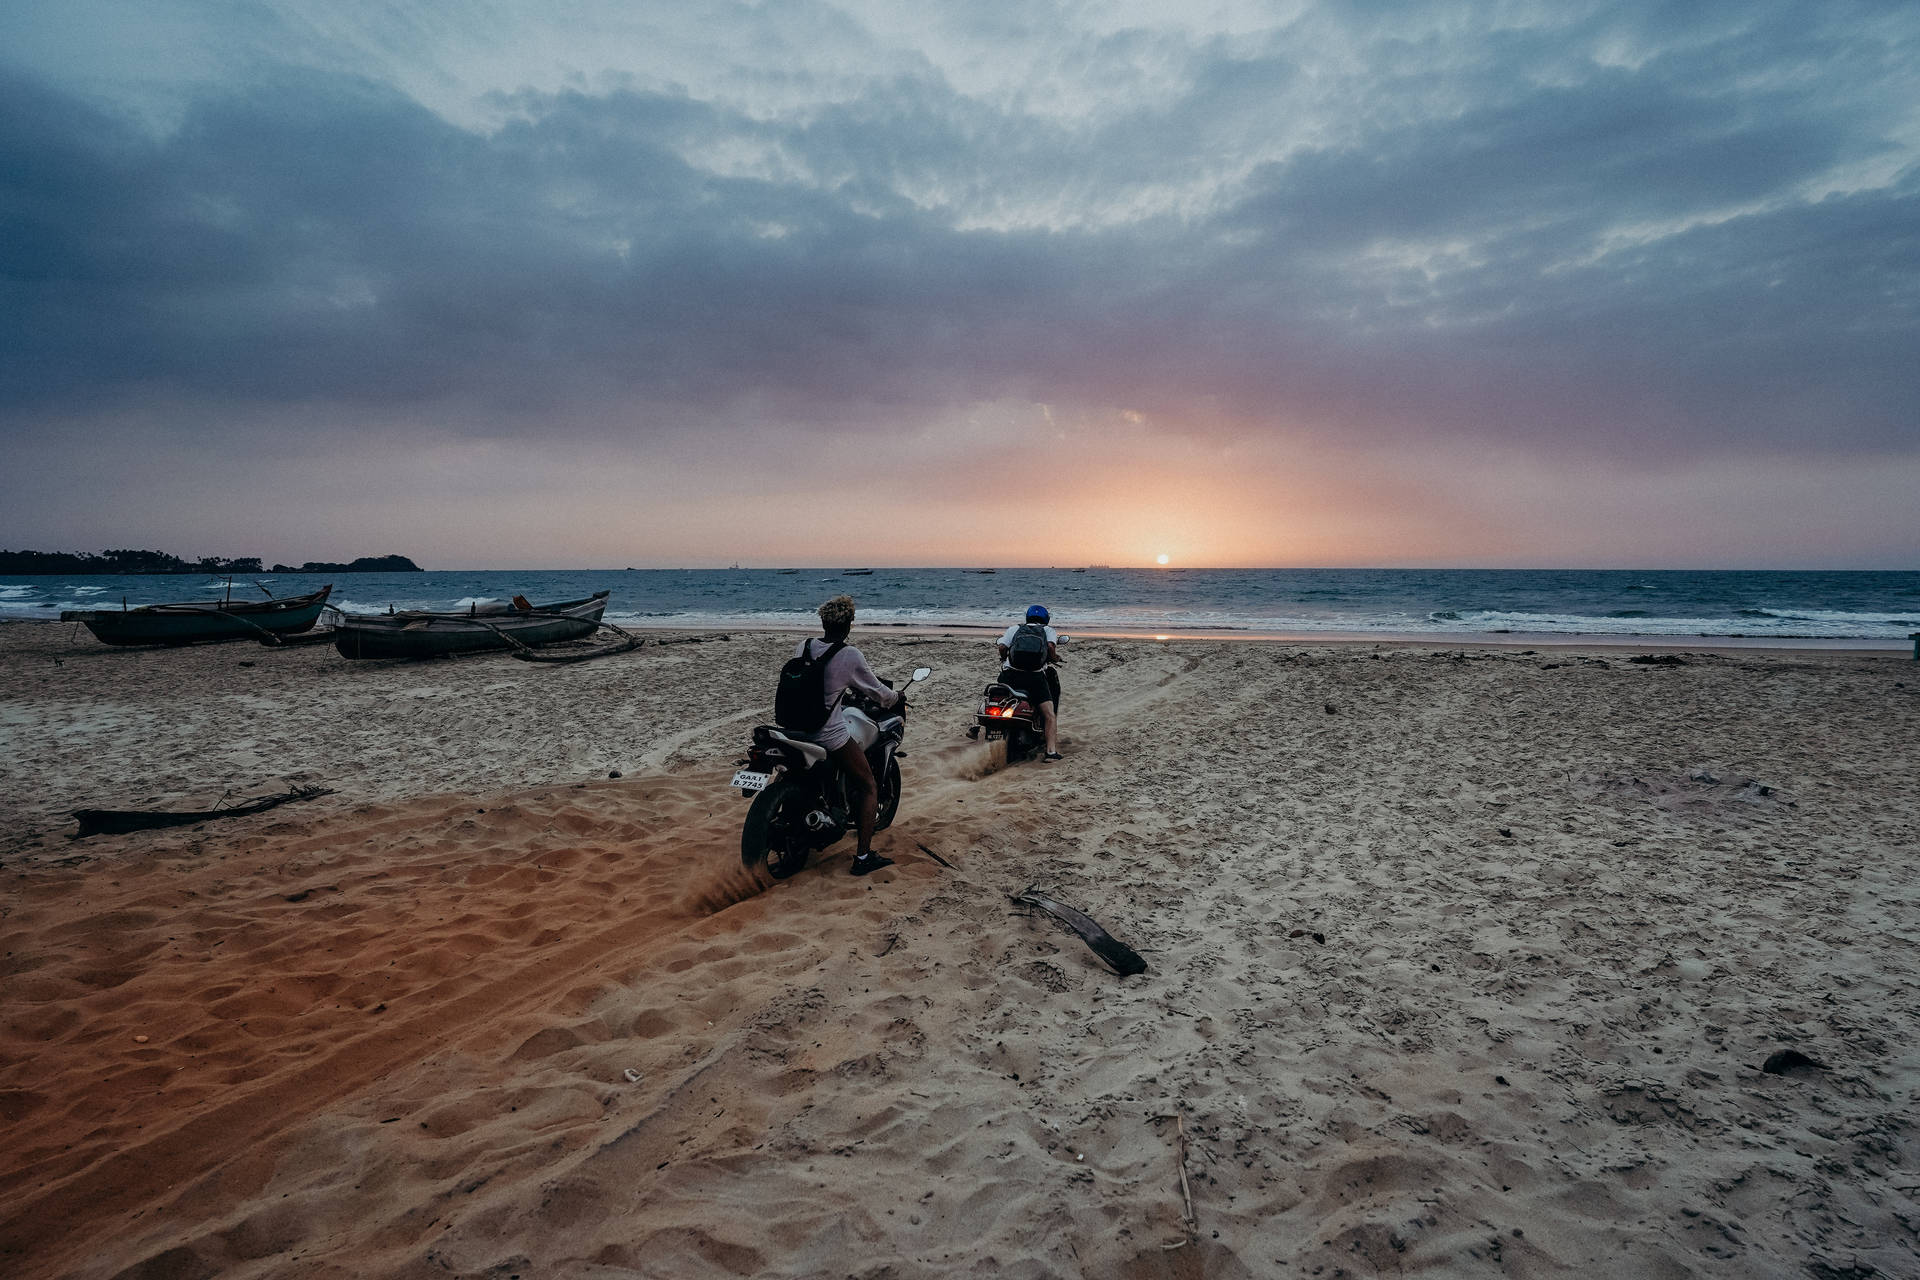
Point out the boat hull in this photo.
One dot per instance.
(201, 622)
(439, 635)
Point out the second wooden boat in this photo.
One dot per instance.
(478, 630)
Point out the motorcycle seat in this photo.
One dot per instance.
(812, 752)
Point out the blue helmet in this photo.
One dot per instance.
(1038, 613)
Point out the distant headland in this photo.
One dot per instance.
(121, 562)
(365, 564)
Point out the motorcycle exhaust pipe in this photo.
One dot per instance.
(819, 820)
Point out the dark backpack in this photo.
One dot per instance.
(1028, 652)
(800, 699)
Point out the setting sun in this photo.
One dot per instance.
(1161, 558)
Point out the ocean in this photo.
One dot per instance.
(1871, 609)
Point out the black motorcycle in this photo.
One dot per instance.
(801, 801)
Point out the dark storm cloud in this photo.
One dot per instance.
(321, 238)
(1497, 236)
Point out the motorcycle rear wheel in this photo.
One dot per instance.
(775, 835)
(889, 796)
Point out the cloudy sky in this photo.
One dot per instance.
(596, 283)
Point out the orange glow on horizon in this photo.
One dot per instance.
(1288, 503)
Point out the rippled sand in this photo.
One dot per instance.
(1460, 962)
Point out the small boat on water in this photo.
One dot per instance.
(200, 621)
(856, 573)
(479, 629)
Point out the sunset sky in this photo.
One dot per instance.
(591, 284)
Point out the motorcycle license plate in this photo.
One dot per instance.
(750, 780)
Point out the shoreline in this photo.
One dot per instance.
(1443, 640)
(1705, 642)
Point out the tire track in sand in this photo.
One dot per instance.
(48, 1225)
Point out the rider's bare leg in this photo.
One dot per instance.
(1051, 721)
(866, 803)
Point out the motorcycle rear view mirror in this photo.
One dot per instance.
(1061, 639)
(921, 673)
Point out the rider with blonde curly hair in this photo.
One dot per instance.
(847, 670)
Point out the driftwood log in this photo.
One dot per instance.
(936, 857)
(1123, 959)
(627, 642)
(115, 822)
(321, 635)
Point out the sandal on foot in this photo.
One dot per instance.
(868, 862)
(1051, 756)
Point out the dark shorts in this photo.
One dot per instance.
(1035, 686)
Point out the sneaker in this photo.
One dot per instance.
(1051, 756)
(868, 862)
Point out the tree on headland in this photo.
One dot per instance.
(128, 561)
(123, 560)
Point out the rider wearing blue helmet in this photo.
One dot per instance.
(1027, 659)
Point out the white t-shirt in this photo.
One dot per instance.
(1006, 637)
(847, 669)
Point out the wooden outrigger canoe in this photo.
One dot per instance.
(478, 630)
(195, 622)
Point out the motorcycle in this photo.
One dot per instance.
(801, 801)
(1005, 712)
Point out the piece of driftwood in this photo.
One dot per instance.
(1186, 1190)
(1187, 1220)
(936, 857)
(114, 822)
(320, 635)
(1123, 959)
(626, 644)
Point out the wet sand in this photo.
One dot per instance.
(1462, 961)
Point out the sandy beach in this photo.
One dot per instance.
(1461, 962)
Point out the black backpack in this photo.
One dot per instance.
(800, 699)
(1028, 652)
